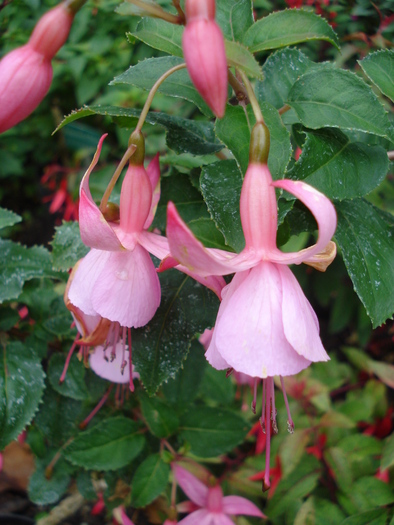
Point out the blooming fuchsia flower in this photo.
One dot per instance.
(26, 72)
(207, 505)
(205, 55)
(265, 325)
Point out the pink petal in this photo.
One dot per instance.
(236, 505)
(95, 230)
(206, 337)
(199, 517)
(191, 253)
(324, 213)
(300, 323)
(191, 486)
(249, 332)
(153, 171)
(221, 519)
(155, 244)
(127, 289)
(258, 208)
(135, 199)
(102, 365)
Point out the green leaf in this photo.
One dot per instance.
(288, 27)
(44, 491)
(233, 130)
(206, 231)
(387, 460)
(182, 390)
(239, 57)
(160, 34)
(221, 184)
(19, 264)
(183, 135)
(110, 445)
(21, 389)
(368, 492)
(379, 67)
(212, 431)
(328, 97)
(281, 70)
(74, 385)
(364, 235)
(339, 168)
(150, 480)
(371, 517)
(160, 417)
(292, 449)
(67, 246)
(160, 348)
(8, 218)
(146, 73)
(216, 387)
(234, 17)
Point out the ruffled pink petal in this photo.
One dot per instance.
(153, 171)
(300, 323)
(191, 253)
(101, 363)
(135, 199)
(249, 332)
(199, 517)
(258, 209)
(236, 505)
(95, 230)
(191, 486)
(324, 213)
(85, 278)
(127, 289)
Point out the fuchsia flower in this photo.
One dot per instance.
(207, 505)
(205, 55)
(26, 72)
(265, 325)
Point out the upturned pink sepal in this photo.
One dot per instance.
(205, 55)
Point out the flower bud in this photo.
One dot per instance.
(205, 55)
(26, 72)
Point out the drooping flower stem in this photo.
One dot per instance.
(126, 157)
(180, 11)
(156, 11)
(252, 97)
(70, 353)
(152, 93)
(74, 5)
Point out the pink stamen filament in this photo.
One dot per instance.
(254, 396)
(273, 411)
(131, 384)
(290, 424)
(266, 480)
(103, 400)
(68, 358)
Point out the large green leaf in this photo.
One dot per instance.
(387, 460)
(213, 431)
(44, 490)
(379, 67)
(328, 97)
(234, 17)
(241, 58)
(8, 218)
(160, 34)
(150, 480)
(288, 27)
(146, 73)
(221, 184)
(19, 264)
(21, 389)
(365, 236)
(159, 416)
(281, 70)
(370, 517)
(74, 384)
(110, 445)
(341, 169)
(67, 246)
(160, 348)
(183, 135)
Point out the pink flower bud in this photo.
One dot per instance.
(205, 55)
(26, 72)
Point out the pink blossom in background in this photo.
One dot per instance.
(26, 72)
(207, 505)
(265, 325)
(207, 69)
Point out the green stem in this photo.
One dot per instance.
(180, 11)
(252, 97)
(74, 6)
(156, 11)
(104, 201)
(152, 93)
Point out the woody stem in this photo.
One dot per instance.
(252, 97)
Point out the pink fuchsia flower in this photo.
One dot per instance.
(207, 505)
(205, 55)
(265, 325)
(26, 72)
